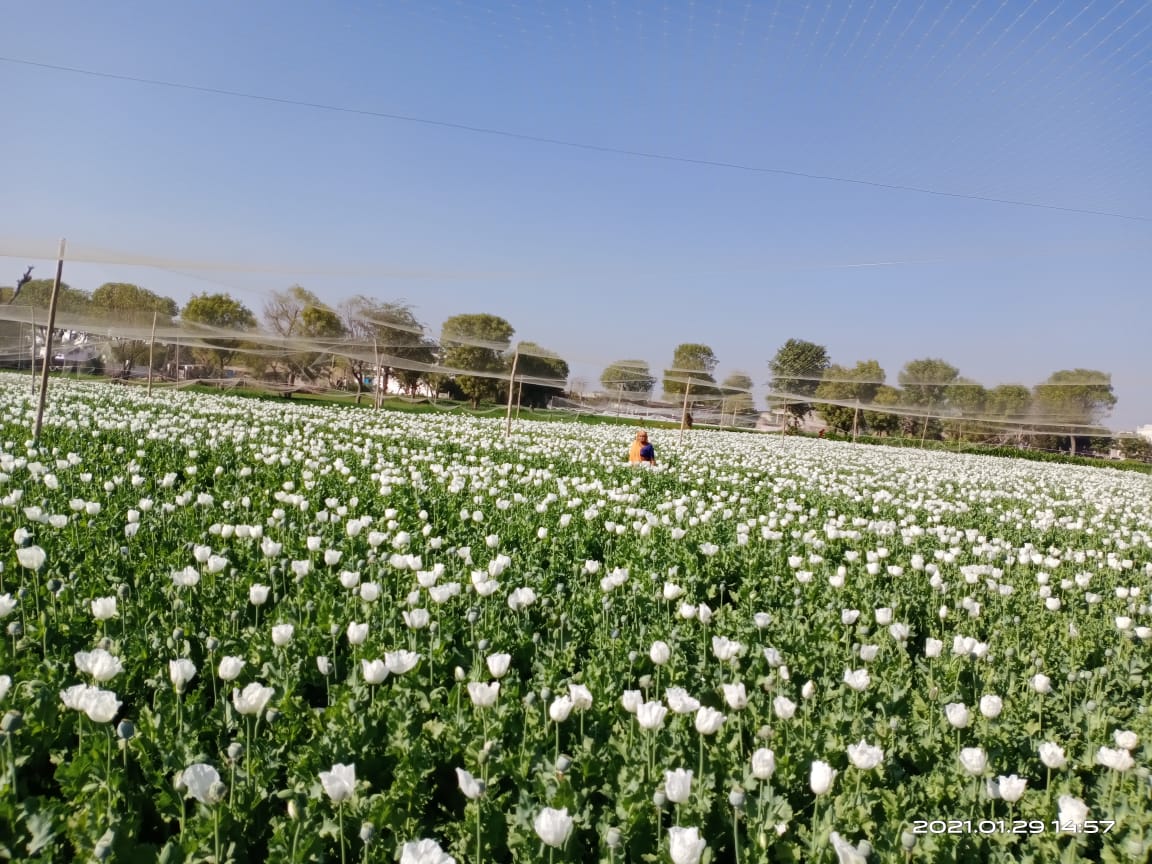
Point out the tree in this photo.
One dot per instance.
(1008, 402)
(797, 369)
(925, 386)
(1135, 447)
(307, 326)
(128, 305)
(693, 362)
(925, 382)
(883, 422)
(738, 399)
(476, 343)
(968, 398)
(38, 293)
(1074, 398)
(1007, 408)
(857, 385)
(628, 376)
(387, 329)
(218, 312)
(539, 363)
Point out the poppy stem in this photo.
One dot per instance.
(479, 846)
(340, 811)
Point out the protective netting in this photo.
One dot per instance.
(323, 363)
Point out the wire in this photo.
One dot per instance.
(576, 145)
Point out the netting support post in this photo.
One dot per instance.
(377, 398)
(47, 364)
(151, 351)
(855, 420)
(32, 310)
(511, 391)
(684, 410)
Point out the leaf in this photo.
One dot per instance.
(43, 830)
(171, 853)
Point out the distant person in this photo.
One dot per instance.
(641, 450)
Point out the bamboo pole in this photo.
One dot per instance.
(855, 420)
(684, 410)
(46, 365)
(376, 398)
(151, 350)
(32, 310)
(511, 389)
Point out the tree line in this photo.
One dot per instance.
(931, 399)
(361, 343)
(365, 342)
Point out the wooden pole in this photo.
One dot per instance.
(376, 398)
(924, 428)
(519, 394)
(177, 362)
(44, 367)
(511, 390)
(151, 351)
(32, 309)
(855, 420)
(684, 410)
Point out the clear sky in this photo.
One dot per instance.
(602, 255)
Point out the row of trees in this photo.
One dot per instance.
(933, 400)
(305, 340)
(362, 339)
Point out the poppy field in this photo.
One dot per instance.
(238, 631)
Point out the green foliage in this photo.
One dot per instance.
(38, 293)
(218, 312)
(692, 362)
(1136, 448)
(797, 368)
(306, 325)
(628, 376)
(534, 363)
(387, 330)
(856, 385)
(477, 342)
(738, 398)
(926, 385)
(1074, 398)
(926, 382)
(1008, 401)
(123, 303)
(883, 422)
(968, 399)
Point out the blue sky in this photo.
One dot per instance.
(600, 255)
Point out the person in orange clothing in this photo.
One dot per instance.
(641, 451)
